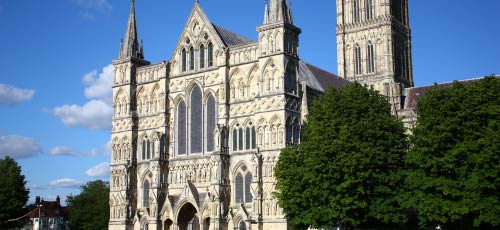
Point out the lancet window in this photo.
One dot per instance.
(357, 60)
(243, 182)
(210, 54)
(244, 138)
(370, 53)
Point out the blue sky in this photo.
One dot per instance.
(55, 74)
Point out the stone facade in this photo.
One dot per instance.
(374, 46)
(195, 139)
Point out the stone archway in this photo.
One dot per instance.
(188, 218)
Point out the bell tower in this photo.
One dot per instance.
(374, 45)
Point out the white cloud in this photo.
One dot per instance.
(13, 96)
(107, 149)
(18, 147)
(94, 115)
(94, 4)
(100, 87)
(62, 151)
(65, 183)
(97, 113)
(99, 171)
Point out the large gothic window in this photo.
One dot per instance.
(357, 60)
(210, 54)
(184, 60)
(370, 58)
(181, 128)
(145, 197)
(202, 56)
(370, 9)
(355, 11)
(211, 122)
(196, 121)
(191, 58)
(242, 184)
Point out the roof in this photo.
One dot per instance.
(318, 78)
(413, 94)
(50, 209)
(230, 38)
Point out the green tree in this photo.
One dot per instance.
(346, 171)
(13, 193)
(454, 165)
(90, 209)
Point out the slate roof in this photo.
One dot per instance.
(413, 94)
(230, 38)
(319, 79)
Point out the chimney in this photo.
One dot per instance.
(58, 200)
(37, 200)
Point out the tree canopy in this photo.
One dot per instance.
(90, 209)
(13, 193)
(453, 175)
(346, 169)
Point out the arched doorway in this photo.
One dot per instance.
(167, 225)
(188, 218)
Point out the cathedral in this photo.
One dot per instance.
(195, 139)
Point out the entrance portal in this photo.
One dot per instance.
(188, 218)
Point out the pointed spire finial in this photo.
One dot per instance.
(131, 46)
(279, 11)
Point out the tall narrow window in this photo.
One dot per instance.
(210, 54)
(242, 184)
(211, 121)
(370, 9)
(355, 11)
(184, 60)
(370, 58)
(202, 56)
(144, 150)
(240, 139)
(196, 121)
(247, 138)
(239, 188)
(145, 197)
(235, 140)
(254, 143)
(191, 58)
(357, 60)
(148, 152)
(181, 128)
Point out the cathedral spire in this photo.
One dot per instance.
(278, 11)
(131, 46)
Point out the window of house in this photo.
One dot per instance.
(243, 182)
(145, 197)
(191, 58)
(202, 56)
(210, 54)
(184, 60)
(370, 9)
(181, 128)
(355, 11)
(357, 60)
(370, 58)
(196, 121)
(211, 122)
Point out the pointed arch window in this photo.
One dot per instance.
(181, 128)
(184, 60)
(240, 139)
(247, 138)
(202, 56)
(254, 143)
(370, 57)
(196, 121)
(191, 58)
(370, 9)
(211, 122)
(243, 182)
(210, 54)
(235, 140)
(145, 197)
(357, 60)
(355, 11)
